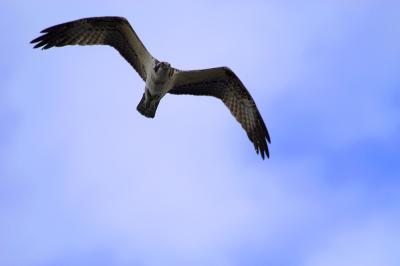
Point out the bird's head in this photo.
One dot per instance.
(161, 66)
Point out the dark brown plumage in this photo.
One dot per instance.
(219, 82)
(112, 31)
(222, 83)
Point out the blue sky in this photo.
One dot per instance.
(86, 180)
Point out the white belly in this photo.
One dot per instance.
(158, 84)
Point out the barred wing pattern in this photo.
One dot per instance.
(224, 84)
(112, 31)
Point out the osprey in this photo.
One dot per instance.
(160, 77)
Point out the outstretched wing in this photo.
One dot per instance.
(224, 84)
(113, 31)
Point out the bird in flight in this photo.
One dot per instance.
(160, 77)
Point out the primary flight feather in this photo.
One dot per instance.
(160, 77)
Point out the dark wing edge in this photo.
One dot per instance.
(113, 31)
(223, 83)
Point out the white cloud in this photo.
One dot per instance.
(373, 241)
(87, 172)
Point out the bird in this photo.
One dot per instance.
(160, 77)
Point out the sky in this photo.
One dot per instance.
(86, 180)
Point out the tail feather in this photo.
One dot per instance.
(148, 109)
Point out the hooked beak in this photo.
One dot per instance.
(157, 66)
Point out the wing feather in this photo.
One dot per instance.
(112, 31)
(224, 84)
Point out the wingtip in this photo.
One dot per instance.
(266, 145)
(262, 148)
(38, 45)
(36, 39)
(265, 153)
